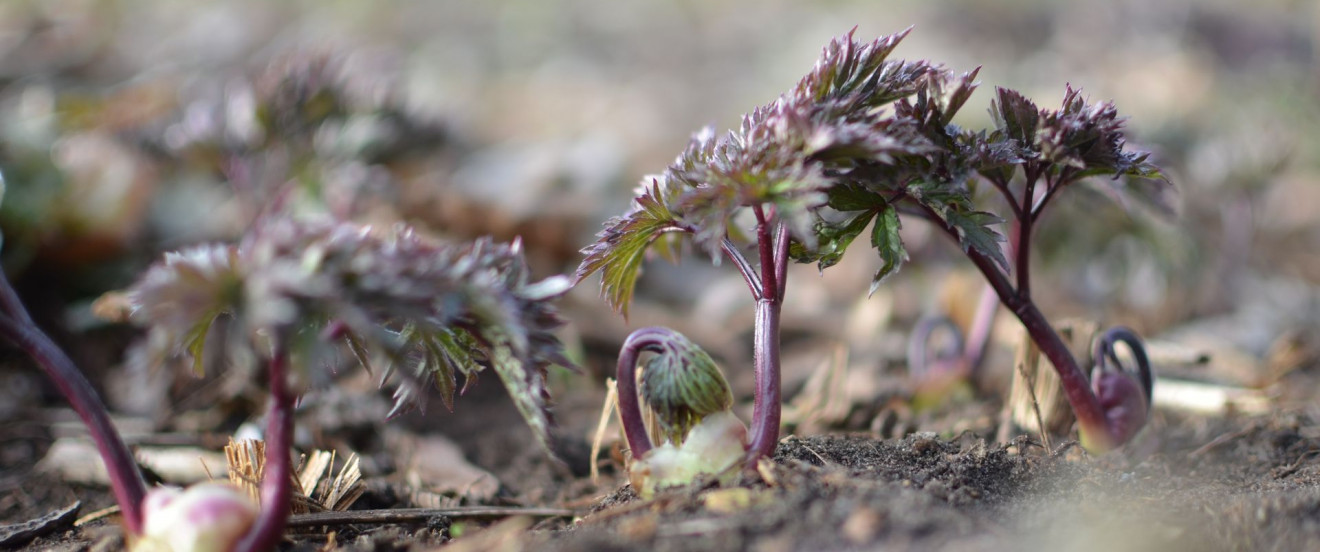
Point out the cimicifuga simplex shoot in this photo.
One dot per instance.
(862, 143)
(304, 294)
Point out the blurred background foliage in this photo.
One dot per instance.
(128, 127)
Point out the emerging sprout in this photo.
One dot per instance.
(691, 400)
(682, 385)
(207, 517)
(1125, 395)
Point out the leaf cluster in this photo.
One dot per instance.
(1067, 145)
(861, 139)
(783, 159)
(426, 311)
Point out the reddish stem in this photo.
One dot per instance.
(1075, 385)
(766, 409)
(650, 339)
(1022, 239)
(276, 481)
(125, 479)
(17, 326)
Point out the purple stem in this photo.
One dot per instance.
(125, 480)
(276, 481)
(1075, 384)
(649, 339)
(766, 409)
(744, 268)
(1021, 242)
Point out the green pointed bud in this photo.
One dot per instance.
(683, 385)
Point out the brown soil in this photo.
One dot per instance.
(1205, 484)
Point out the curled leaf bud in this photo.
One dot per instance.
(683, 385)
(1123, 402)
(1124, 393)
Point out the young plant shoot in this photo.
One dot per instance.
(861, 140)
(299, 295)
(691, 400)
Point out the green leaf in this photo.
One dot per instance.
(887, 242)
(438, 361)
(432, 310)
(526, 387)
(622, 245)
(832, 240)
(953, 205)
(854, 197)
(195, 341)
(975, 233)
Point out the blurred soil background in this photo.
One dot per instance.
(133, 127)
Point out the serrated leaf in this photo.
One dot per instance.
(846, 67)
(887, 242)
(966, 85)
(622, 245)
(527, 389)
(435, 360)
(975, 233)
(1150, 188)
(953, 205)
(359, 351)
(432, 310)
(1015, 116)
(993, 155)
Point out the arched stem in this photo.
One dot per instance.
(16, 325)
(649, 339)
(921, 360)
(125, 479)
(1103, 353)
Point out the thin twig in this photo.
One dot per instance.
(1221, 441)
(417, 515)
(97, 515)
(1292, 468)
